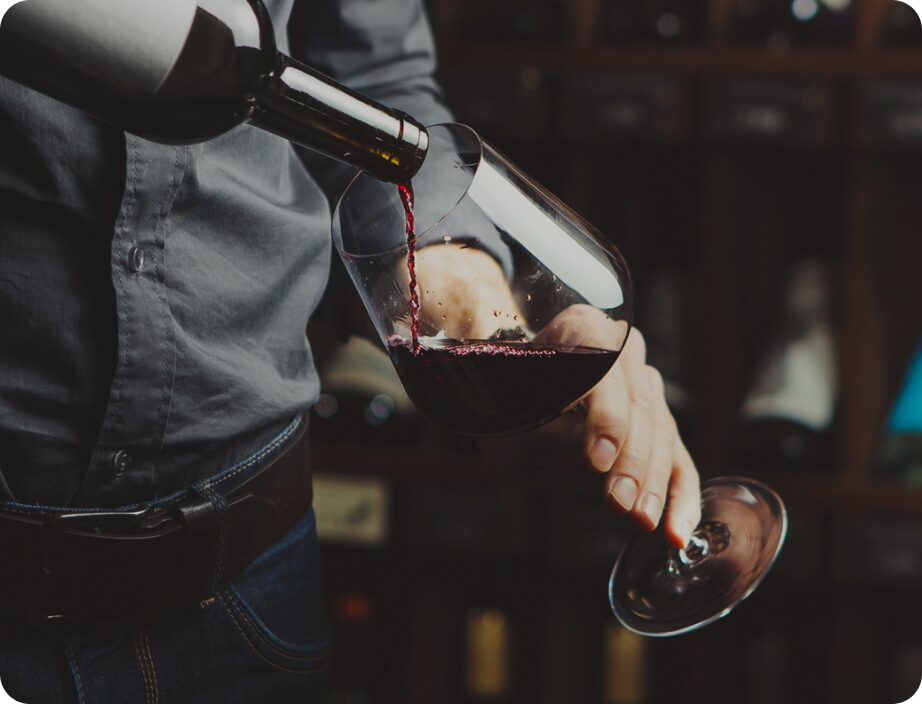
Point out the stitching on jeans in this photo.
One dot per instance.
(153, 670)
(75, 669)
(234, 602)
(9, 509)
(262, 657)
(136, 639)
(142, 648)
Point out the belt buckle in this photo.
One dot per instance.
(67, 521)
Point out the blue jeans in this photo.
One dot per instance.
(265, 639)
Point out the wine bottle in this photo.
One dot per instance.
(353, 619)
(767, 667)
(515, 20)
(901, 27)
(899, 452)
(362, 394)
(185, 71)
(666, 324)
(787, 414)
(779, 24)
(489, 651)
(624, 666)
(661, 21)
(907, 664)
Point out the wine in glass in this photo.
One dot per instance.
(559, 321)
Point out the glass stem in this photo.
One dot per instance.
(709, 538)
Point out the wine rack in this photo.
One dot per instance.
(717, 157)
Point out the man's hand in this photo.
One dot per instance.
(628, 432)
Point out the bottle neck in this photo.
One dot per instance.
(310, 109)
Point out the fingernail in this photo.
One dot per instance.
(602, 455)
(685, 530)
(624, 491)
(651, 506)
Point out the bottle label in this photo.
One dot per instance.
(129, 44)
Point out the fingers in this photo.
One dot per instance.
(610, 406)
(639, 480)
(607, 420)
(631, 434)
(684, 512)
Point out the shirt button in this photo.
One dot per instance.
(135, 259)
(120, 462)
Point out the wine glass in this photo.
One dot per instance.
(505, 358)
(658, 590)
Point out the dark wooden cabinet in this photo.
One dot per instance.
(722, 160)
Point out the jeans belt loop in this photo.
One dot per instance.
(204, 514)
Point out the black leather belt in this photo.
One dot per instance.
(116, 567)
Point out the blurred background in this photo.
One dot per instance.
(759, 164)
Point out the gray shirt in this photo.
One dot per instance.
(154, 298)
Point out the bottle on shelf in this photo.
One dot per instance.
(625, 670)
(666, 322)
(353, 616)
(782, 24)
(767, 667)
(488, 655)
(907, 664)
(901, 27)
(899, 452)
(185, 71)
(654, 21)
(786, 417)
(362, 397)
(512, 20)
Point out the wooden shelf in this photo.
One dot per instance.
(828, 494)
(719, 60)
(818, 491)
(825, 619)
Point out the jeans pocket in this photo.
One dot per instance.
(277, 606)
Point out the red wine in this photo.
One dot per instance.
(406, 197)
(185, 72)
(489, 389)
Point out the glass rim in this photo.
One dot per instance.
(337, 238)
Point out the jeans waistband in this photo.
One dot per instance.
(225, 480)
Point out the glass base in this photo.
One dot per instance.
(657, 590)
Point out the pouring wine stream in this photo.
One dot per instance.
(406, 197)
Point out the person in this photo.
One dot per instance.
(154, 374)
